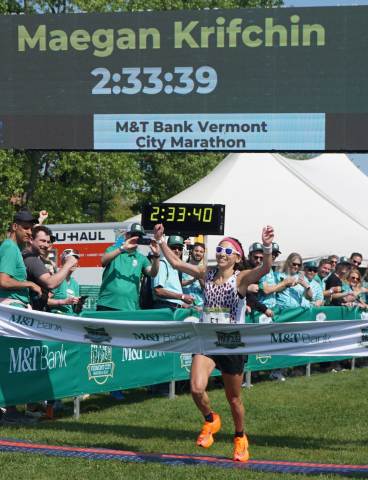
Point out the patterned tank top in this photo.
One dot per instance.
(224, 296)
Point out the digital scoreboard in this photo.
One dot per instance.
(283, 79)
(188, 219)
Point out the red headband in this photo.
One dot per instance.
(236, 244)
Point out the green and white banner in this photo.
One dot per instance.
(315, 338)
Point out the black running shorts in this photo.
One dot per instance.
(230, 364)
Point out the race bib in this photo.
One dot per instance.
(215, 315)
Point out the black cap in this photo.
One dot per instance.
(24, 216)
(52, 237)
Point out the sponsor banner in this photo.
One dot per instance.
(348, 338)
(276, 131)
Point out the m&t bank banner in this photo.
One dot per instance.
(348, 338)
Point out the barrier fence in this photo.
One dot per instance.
(38, 370)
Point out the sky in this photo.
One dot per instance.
(360, 160)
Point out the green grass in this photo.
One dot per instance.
(321, 419)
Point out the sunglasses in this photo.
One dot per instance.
(177, 247)
(228, 251)
(69, 251)
(333, 261)
(296, 264)
(311, 269)
(354, 278)
(356, 263)
(258, 257)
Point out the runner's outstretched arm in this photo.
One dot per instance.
(197, 271)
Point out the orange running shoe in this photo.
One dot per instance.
(241, 453)
(205, 438)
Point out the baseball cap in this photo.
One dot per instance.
(310, 264)
(135, 228)
(175, 240)
(69, 252)
(275, 247)
(256, 247)
(52, 237)
(24, 216)
(343, 260)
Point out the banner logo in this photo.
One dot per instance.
(364, 342)
(299, 338)
(101, 366)
(230, 339)
(186, 361)
(96, 334)
(263, 358)
(161, 337)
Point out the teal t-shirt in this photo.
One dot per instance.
(268, 300)
(317, 293)
(194, 289)
(292, 296)
(365, 295)
(11, 263)
(347, 288)
(65, 290)
(167, 278)
(121, 281)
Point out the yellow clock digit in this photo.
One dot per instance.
(207, 214)
(153, 218)
(171, 215)
(197, 214)
(181, 217)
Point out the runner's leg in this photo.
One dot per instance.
(233, 385)
(200, 372)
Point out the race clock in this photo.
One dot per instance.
(189, 219)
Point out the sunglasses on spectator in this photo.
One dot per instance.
(177, 247)
(312, 269)
(69, 251)
(333, 261)
(296, 264)
(356, 263)
(258, 257)
(228, 251)
(354, 278)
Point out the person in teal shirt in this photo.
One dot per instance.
(365, 285)
(66, 297)
(192, 286)
(298, 290)
(13, 275)
(310, 271)
(352, 281)
(124, 267)
(14, 291)
(167, 289)
(268, 287)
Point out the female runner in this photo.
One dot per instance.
(225, 288)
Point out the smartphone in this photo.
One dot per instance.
(301, 275)
(143, 241)
(83, 298)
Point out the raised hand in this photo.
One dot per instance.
(158, 231)
(267, 236)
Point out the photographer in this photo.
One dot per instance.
(124, 267)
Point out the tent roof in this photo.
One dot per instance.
(307, 203)
(335, 177)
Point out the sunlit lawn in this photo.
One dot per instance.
(321, 419)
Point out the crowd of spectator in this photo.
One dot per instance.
(29, 279)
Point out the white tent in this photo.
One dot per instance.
(317, 207)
